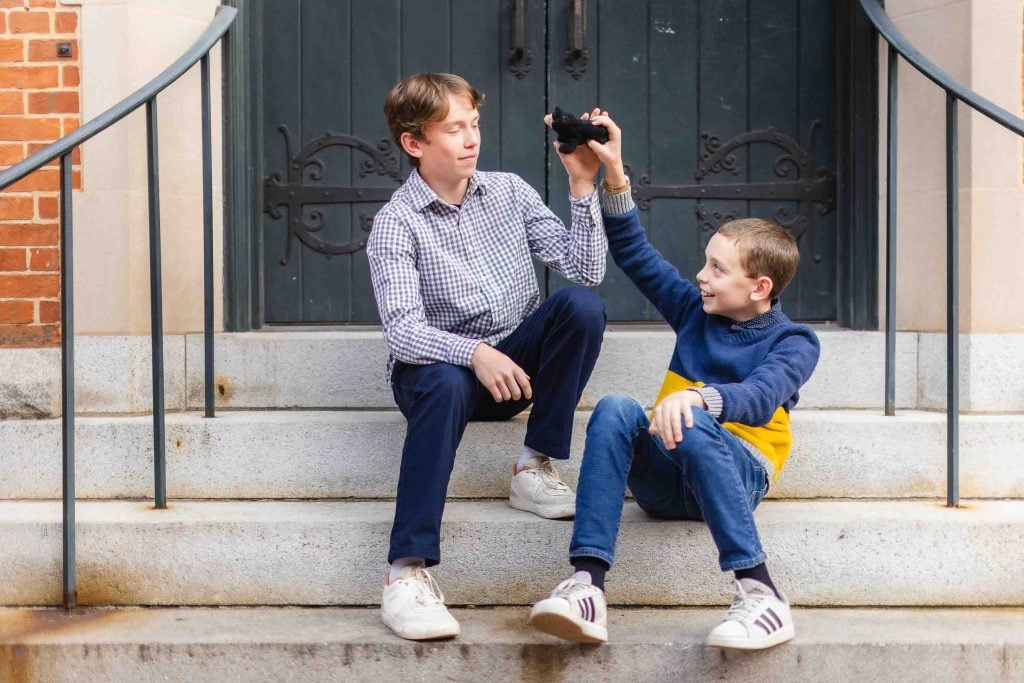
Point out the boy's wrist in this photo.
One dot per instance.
(615, 175)
(581, 187)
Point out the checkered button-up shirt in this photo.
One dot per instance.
(447, 278)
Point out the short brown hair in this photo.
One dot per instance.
(765, 249)
(421, 99)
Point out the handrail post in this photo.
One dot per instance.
(156, 307)
(952, 308)
(67, 377)
(204, 68)
(890, 236)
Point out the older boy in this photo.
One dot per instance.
(719, 431)
(458, 298)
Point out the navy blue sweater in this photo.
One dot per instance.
(757, 369)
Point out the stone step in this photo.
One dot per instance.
(346, 454)
(822, 553)
(346, 369)
(338, 644)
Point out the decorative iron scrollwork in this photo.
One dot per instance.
(811, 189)
(287, 199)
(576, 55)
(520, 58)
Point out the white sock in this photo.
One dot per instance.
(527, 455)
(401, 563)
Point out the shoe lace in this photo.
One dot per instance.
(428, 593)
(745, 606)
(569, 588)
(549, 475)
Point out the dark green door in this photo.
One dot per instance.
(727, 108)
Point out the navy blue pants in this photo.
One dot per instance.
(557, 346)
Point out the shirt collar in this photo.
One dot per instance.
(762, 321)
(421, 196)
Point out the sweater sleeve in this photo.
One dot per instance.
(773, 383)
(657, 279)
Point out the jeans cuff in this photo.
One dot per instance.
(761, 558)
(592, 552)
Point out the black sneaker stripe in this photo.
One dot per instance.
(590, 609)
(768, 631)
(775, 617)
(583, 609)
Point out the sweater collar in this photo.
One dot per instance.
(766, 319)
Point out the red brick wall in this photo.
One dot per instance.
(39, 102)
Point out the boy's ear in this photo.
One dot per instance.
(412, 145)
(762, 288)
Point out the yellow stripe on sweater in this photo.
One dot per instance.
(773, 439)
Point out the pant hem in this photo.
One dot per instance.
(592, 552)
(555, 453)
(744, 564)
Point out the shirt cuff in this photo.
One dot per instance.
(461, 351)
(618, 203)
(587, 208)
(585, 200)
(713, 399)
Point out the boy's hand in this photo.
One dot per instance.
(582, 165)
(500, 375)
(610, 153)
(672, 413)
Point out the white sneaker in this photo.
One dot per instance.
(756, 620)
(537, 488)
(575, 611)
(413, 607)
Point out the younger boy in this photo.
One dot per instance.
(719, 431)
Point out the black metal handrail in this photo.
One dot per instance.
(63, 148)
(900, 46)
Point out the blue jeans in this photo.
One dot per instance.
(710, 476)
(557, 345)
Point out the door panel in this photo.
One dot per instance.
(717, 98)
(685, 78)
(327, 68)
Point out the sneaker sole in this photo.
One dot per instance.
(547, 512)
(781, 636)
(565, 626)
(440, 633)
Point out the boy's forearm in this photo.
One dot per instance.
(615, 174)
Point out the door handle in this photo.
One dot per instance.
(519, 57)
(576, 56)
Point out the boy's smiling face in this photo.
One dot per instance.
(448, 154)
(725, 286)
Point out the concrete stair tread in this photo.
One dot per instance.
(822, 553)
(356, 454)
(498, 644)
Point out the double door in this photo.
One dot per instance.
(727, 108)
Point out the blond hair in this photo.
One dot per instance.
(422, 99)
(765, 249)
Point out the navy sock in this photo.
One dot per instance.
(595, 566)
(758, 573)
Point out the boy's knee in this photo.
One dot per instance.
(696, 438)
(583, 305)
(616, 410)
